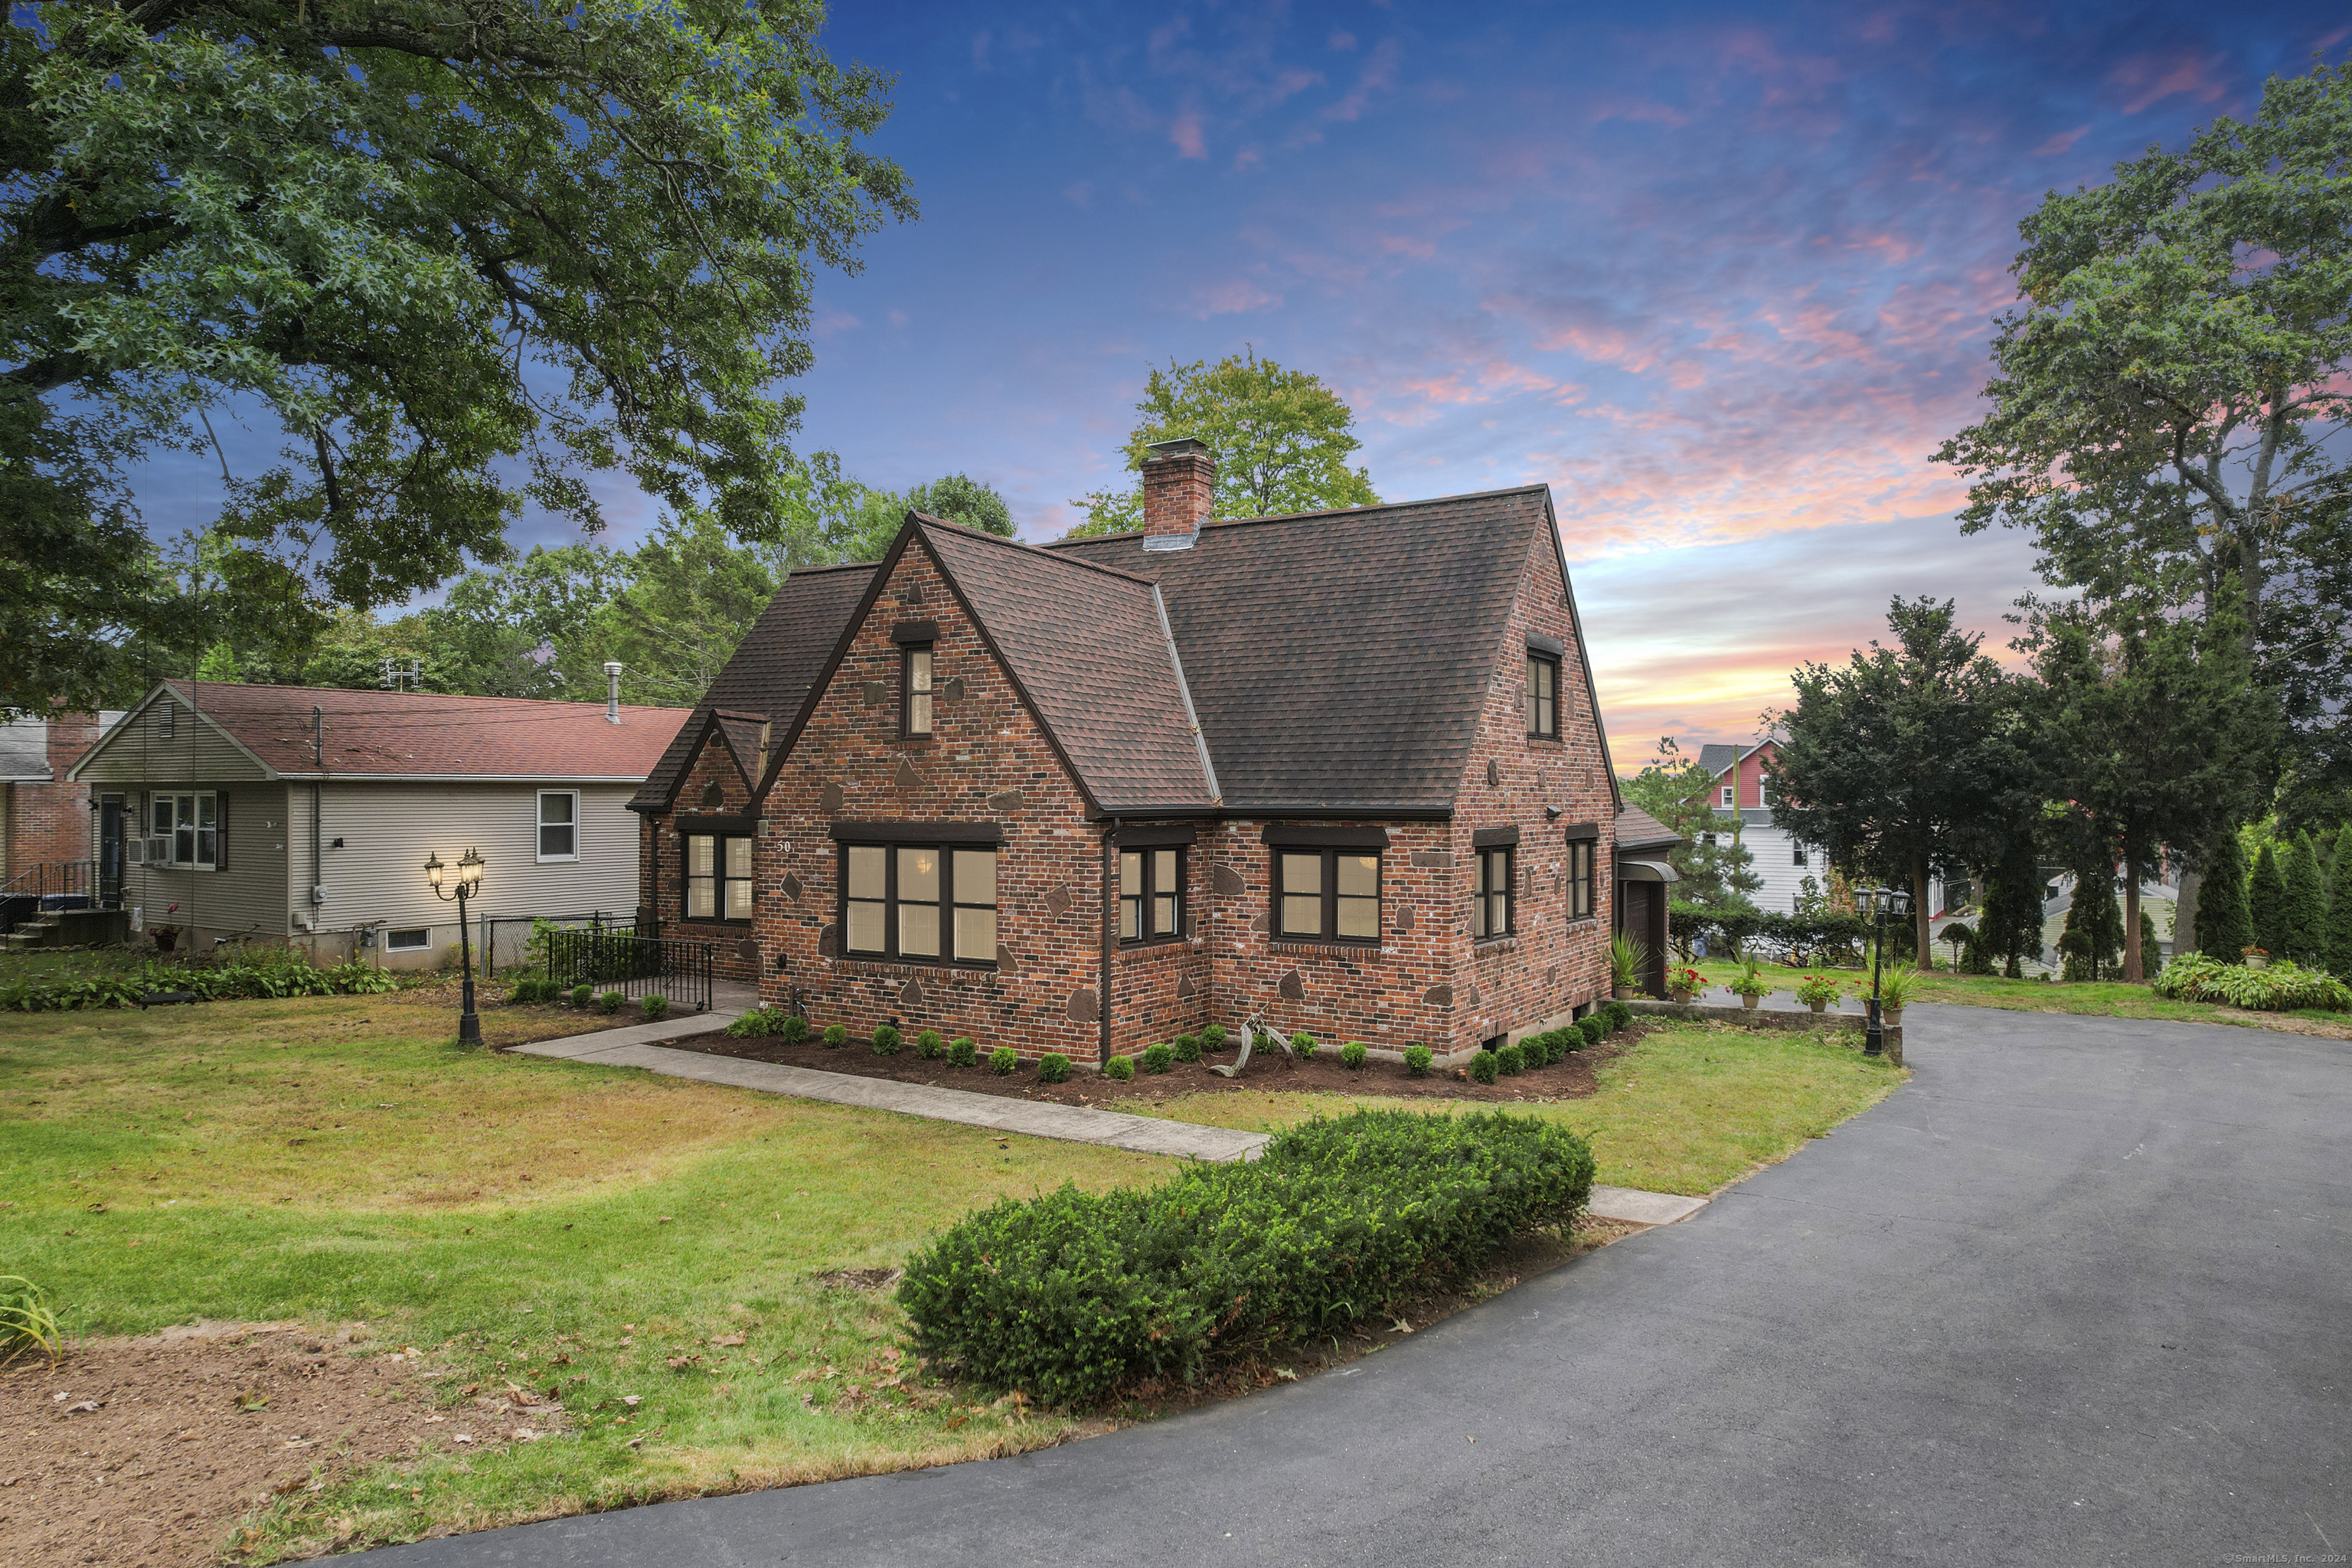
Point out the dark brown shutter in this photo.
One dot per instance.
(220, 831)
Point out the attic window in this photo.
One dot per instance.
(1543, 696)
(163, 718)
(915, 689)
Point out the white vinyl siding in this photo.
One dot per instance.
(558, 825)
(249, 898)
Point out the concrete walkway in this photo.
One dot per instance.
(638, 1046)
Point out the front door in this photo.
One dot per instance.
(110, 852)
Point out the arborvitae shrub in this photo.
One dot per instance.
(1591, 1030)
(1511, 1061)
(1302, 1045)
(1351, 1056)
(1213, 1039)
(1552, 1047)
(962, 1053)
(655, 1007)
(885, 1040)
(1053, 1067)
(582, 994)
(1003, 1059)
(1121, 1068)
(836, 1035)
(1483, 1067)
(1159, 1058)
(610, 1002)
(1417, 1058)
(1188, 1048)
(1072, 1295)
(1614, 1016)
(927, 1045)
(795, 1028)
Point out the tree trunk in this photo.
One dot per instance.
(2133, 973)
(1923, 919)
(2184, 913)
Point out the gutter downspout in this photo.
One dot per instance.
(318, 850)
(1109, 917)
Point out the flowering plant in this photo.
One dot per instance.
(1815, 988)
(1684, 982)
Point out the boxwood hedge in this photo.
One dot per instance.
(1071, 1295)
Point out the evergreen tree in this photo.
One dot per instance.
(2093, 938)
(2266, 903)
(2011, 928)
(2305, 923)
(2151, 947)
(2339, 909)
(2224, 927)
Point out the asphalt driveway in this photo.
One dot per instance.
(2079, 1293)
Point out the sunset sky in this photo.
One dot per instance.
(1721, 277)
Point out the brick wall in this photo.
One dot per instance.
(51, 822)
(661, 860)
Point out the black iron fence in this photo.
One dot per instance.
(513, 941)
(633, 965)
(38, 889)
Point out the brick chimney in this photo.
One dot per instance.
(1179, 486)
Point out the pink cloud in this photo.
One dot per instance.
(2062, 142)
(1185, 134)
(2148, 78)
(1642, 110)
(1233, 298)
(832, 323)
(1378, 75)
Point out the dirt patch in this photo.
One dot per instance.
(149, 1450)
(860, 1278)
(1276, 1072)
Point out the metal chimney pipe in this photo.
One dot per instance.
(612, 691)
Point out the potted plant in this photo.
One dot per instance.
(1626, 959)
(1817, 991)
(1894, 986)
(2257, 958)
(1684, 984)
(1751, 986)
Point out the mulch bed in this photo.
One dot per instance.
(148, 1450)
(1274, 1072)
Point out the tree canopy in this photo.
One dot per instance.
(1907, 760)
(467, 257)
(2167, 389)
(1716, 868)
(1282, 441)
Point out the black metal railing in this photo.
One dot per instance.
(39, 890)
(636, 966)
(513, 941)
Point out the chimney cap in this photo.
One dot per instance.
(1182, 446)
(612, 667)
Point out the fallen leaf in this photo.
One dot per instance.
(631, 1399)
(663, 1220)
(97, 1209)
(633, 1442)
(727, 1338)
(463, 1437)
(471, 1388)
(87, 1405)
(525, 1435)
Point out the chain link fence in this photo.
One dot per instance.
(510, 942)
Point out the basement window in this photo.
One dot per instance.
(408, 940)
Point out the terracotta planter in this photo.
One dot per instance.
(1817, 1006)
(1752, 1003)
(1891, 1016)
(1623, 992)
(1681, 998)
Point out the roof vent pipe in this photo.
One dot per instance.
(1180, 488)
(612, 691)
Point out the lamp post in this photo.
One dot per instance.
(1874, 1034)
(469, 882)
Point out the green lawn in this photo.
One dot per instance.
(1686, 1109)
(332, 1160)
(2103, 998)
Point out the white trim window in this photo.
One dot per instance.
(1727, 795)
(558, 825)
(189, 824)
(408, 938)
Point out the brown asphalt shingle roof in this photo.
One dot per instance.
(787, 648)
(1637, 829)
(1340, 660)
(432, 735)
(1088, 647)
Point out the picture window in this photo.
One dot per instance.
(924, 903)
(718, 877)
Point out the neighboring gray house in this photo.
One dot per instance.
(305, 815)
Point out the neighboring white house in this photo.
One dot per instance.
(1742, 799)
(306, 814)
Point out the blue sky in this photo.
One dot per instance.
(1722, 277)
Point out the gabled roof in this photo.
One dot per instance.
(1338, 660)
(1637, 829)
(1717, 760)
(416, 735)
(772, 672)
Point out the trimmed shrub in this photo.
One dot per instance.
(1302, 1046)
(794, 1028)
(927, 1045)
(1485, 1067)
(1003, 1060)
(1417, 1059)
(1614, 1016)
(655, 1005)
(886, 1039)
(1351, 1056)
(835, 1036)
(755, 1021)
(528, 989)
(1071, 1296)
(1053, 1067)
(962, 1053)
(1213, 1039)
(1543, 1050)
(1121, 1069)
(610, 1003)
(1159, 1058)
(582, 994)
(1511, 1061)
(1188, 1048)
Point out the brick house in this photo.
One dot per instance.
(44, 821)
(1339, 771)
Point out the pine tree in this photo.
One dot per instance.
(2151, 947)
(2011, 928)
(2224, 928)
(2093, 938)
(2266, 903)
(2304, 925)
(2339, 909)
